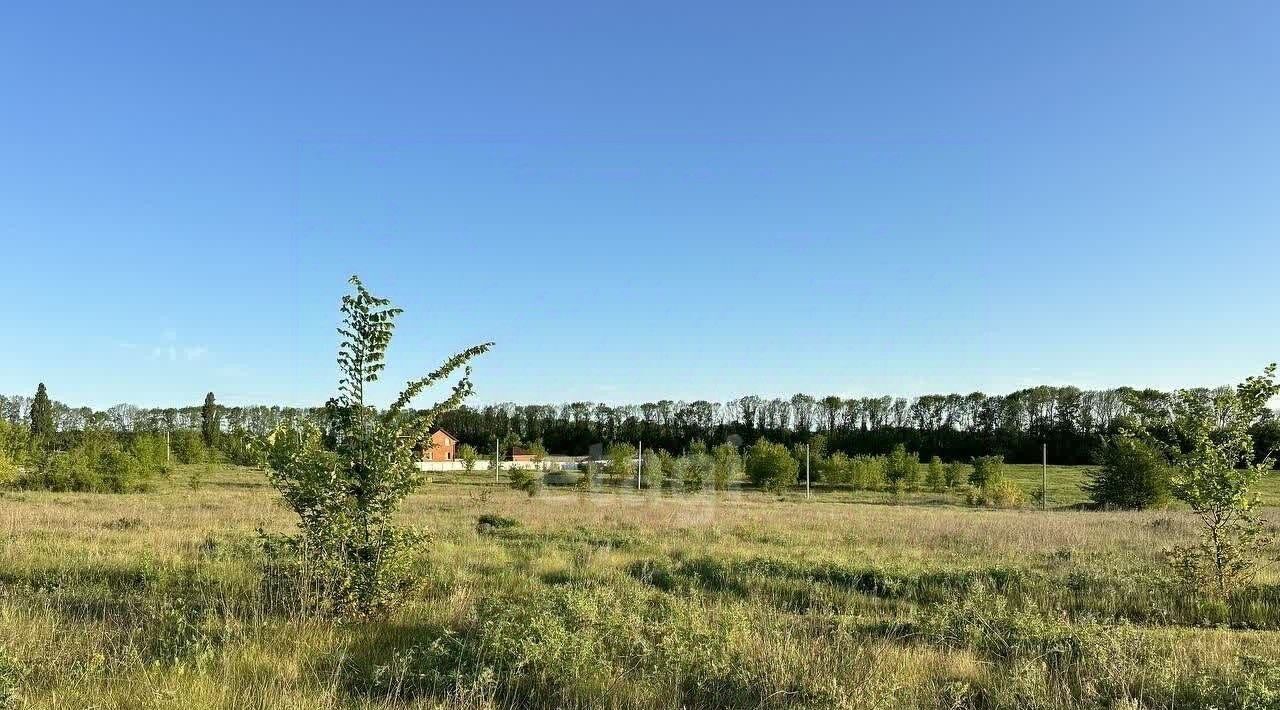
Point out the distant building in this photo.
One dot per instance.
(519, 454)
(443, 447)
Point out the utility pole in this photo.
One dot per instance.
(168, 459)
(1044, 476)
(497, 462)
(639, 464)
(806, 471)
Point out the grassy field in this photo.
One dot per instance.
(626, 600)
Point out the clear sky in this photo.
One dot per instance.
(639, 200)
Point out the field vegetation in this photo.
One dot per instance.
(619, 598)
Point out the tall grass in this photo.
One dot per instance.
(615, 599)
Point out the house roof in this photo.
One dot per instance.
(446, 432)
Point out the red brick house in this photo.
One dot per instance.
(443, 447)
(519, 454)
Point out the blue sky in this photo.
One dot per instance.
(639, 200)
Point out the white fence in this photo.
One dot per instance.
(483, 465)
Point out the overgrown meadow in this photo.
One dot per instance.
(609, 597)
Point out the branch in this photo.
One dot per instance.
(461, 390)
(415, 387)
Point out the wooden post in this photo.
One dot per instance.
(1044, 476)
(806, 471)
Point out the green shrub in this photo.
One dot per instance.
(770, 466)
(620, 462)
(868, 472)
(935, 479)
(1131, 475)
(837, 468)
(954, 474)
(727, 465)
(651, 471)
(8, 470)
(492, 521)
(699, 468)
(987, 471)
(188, 446)
(149, 450)
(15, 449)
(96, 464)
(1003, 494)
(902, 469)
(525, 479)
(243, 449)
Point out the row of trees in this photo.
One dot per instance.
(36, 454)
(1073, 422)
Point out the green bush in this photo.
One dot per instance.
(15, 448)
(987, 471)
(243, 449)
(868, 472)
(954, 474)
(902, 469)
(8, 470)
(620, 462)
(493, 521)
(651, 471)
(770, 466)
(837, 468)
(188, 446)
(727, 465)
(699, 468)
(1002, 494)
(936, 477)
(149, 450)
(525, 479)
(97, 464)
(1132, 475)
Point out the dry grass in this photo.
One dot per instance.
(615, 599)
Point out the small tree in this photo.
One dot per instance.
(525, 479)
(868, 472)
(469, 456)
(728, 465)
(699, 467)
(954, 473)
(988, 471)
(1215, 468)
(837, 468)
(935, 479)
(621, 462)
(537, 454)
(651, 470)
(188, 446)
(902, 469)
(349, 551)
(41, 415)
(1131, 475)
(209, 421)
(770, 466)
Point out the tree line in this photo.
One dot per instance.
(1071, 421)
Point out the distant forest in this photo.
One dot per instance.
(1071, 421)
